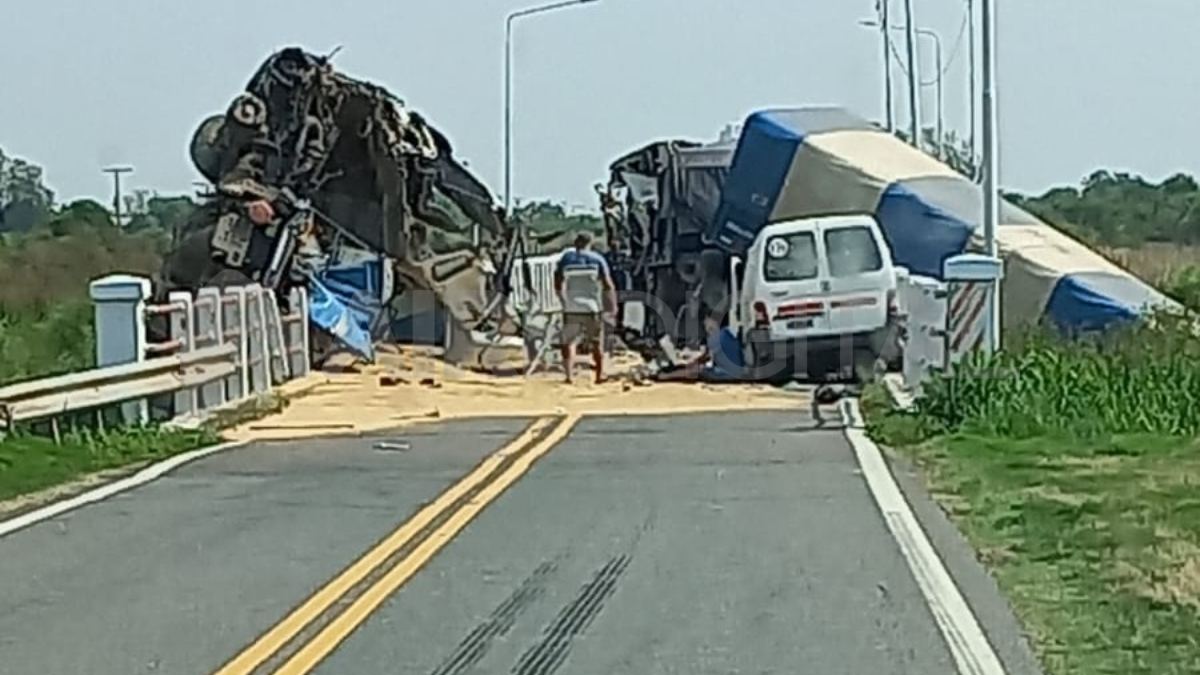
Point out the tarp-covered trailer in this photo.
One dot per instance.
(799, 162)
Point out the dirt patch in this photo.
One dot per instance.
(1175, 574)
(17, 506)
(410, 386)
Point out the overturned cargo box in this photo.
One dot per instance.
(811, 161)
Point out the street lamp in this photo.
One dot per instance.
(972, 79)
(914, 103)
(508, 108)
(991, 160)
(937, 57)
(885, 24)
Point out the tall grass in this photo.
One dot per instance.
(46, 340)
(45, 312)
(1142, 378)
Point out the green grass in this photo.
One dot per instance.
(41, 341)
(31, 463)
(1077, 479)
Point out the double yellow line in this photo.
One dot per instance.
(488, 480)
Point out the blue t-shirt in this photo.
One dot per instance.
(584, 293)
(573, 258)
(726, 352)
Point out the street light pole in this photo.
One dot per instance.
(991, 161)
(941, 108)
(885, 24)
(914, 94)
(972, 79)
(508, 107)
(116, 172)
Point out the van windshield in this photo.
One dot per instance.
(852, 251)
(791, 257)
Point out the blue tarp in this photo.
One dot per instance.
(756, 178)
(329, 311)
(920, 234)
(347, 302)
(1094, 302)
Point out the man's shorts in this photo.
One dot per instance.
(586, 329)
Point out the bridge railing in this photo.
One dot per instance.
(223, 346)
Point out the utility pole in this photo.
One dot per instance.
(937, 47)
(991, 162)
(914, 92)
(116, 172)
(885, 24)
(941, 102)
(972, 78)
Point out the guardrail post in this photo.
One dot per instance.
(295, 332)
(210, 326)
(235, 321)
(119, 302)
(183, 331)
(970, 278)
(255, 336)
(276, 345)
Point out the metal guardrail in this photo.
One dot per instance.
(98, 387)
(224, 346)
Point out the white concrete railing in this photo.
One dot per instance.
(225, 346)
(945, 322)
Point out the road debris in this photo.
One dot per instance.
(392, 379)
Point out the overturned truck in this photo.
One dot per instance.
(678, 211)
(315, 172)
(659, 202)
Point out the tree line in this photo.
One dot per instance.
(49, 250)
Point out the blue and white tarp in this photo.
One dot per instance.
(347, 300)
(794, 163)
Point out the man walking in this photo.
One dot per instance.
(585, 287)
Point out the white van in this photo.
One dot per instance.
(818, 295)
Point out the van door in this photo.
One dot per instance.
(791, 284)
(858, 276)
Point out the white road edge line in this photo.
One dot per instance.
(972, 652)
(146, 475)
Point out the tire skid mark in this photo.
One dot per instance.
(477, 643)
(549, 653)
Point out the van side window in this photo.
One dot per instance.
(791, 257)
(851, 251)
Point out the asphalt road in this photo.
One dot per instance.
(715, 544)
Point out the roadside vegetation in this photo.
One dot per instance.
(30, 463)
(1073, 469)
(1072, 466)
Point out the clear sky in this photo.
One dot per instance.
(1083, 83)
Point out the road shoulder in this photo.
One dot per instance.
(969, 607)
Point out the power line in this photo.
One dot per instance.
(954, 50)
